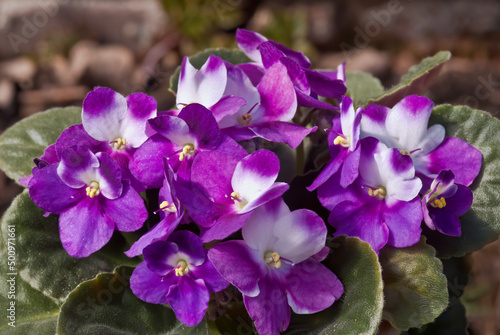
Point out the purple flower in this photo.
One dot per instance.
(179, 139)
(275, 268)
(179, 273)
(343, 142)
(225, 190)
(405, 127)
(444, 203)
(308, 84)
(88, 193)
(382, 206)
(120, 122)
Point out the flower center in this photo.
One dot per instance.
(380, 193)
(187, 150)
(438, 203)
(168, 207)
(343, 141)
(273, 259)
(93, 189)
(182, 268)
(245, 120)
(119, 144)
(237, 199)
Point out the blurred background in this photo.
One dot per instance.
(52, 52)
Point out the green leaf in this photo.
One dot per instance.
(28, 138)
(416, 81)
(33, 311)
(362, 86)
(233, 56)
(481, 224)
(415, 287)
(107, 305)
(453, 321)
(41, 259)
(359, 310)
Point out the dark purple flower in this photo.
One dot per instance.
(444, 203)
(382, 206)
(88, 193)
(179, 273)
(343, 142)
(275, 268)
(308, 84)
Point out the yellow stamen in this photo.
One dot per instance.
(167, 207)
(273, 259)
(245, 120)
(340, 140)
(187, 150)
(119, 143)
(438, 203)
(380, 193)
(405, 152)
(181, 268)
(93, 189)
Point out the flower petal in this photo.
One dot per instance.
(133, 126)
(150, 287)
(403, 220)
(189, 300)
(85, 228)
(325, 86)
(213, 280)
(109, 177)
(249, 41)
(161, 257)
(224, 226)
(285, 132)
(190, 245)
(128, 211)
(77, 167)
(239, 265)
(103, 110)
(311, 287)
(76, 135)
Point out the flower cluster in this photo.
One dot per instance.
(388, 172)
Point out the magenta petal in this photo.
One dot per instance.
(85, 228)
(330, 168)
(202, 125)
(227, 257)
(456, 155)
(140, 108)
(49, 192)
(253, 71)
(190, 245)
(224, 226)
(103, 110)
(270, 54)
(189, 300)
(297, 56)
(77, 167)
(150, 287)
(285, 132)
(269, 310)
(306, 100)
(403, 220)
(109, 177)
(146, 163)
(325, 86)
(239, 133)
(76, 135)
(213, 280)
(228, 105)
(296, 74)
(249, 41)
(350, 168)
(128, 211)
(277, 92)
(275, 191)
(311, 287)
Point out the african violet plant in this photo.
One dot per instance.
(194, 210)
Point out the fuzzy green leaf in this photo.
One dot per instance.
(362, 86)
(481, 224)
(107, 305)
(416, 81)
(415, 287)
(233, 56)
(28, 138)
(41, 259)
(359, 310)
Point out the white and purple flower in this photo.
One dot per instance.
(179, 273)
(88, 193)
(382, 206)
(444, 203)
(275, 267)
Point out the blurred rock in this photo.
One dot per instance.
(7, 93)
(34, 101)
(133, 23)
(21, 70)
